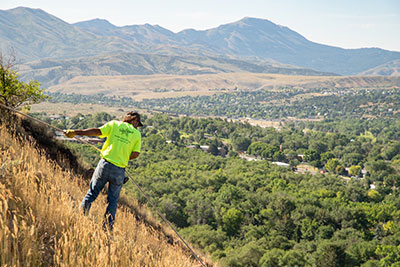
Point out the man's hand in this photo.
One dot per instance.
(70, 133)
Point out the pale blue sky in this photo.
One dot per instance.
(343, 23)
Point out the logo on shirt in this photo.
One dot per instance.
(126, 132)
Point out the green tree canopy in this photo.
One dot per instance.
(331, 164)
(14, 93)
(241, 143)
(355, 170)
(232, 220)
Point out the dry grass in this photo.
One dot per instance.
(305, 168)
(70, 109)
(41, 223)
(144, 86)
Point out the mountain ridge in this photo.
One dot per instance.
(36, 35)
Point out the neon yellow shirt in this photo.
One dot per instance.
(122, 140)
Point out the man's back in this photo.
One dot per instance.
(122, 139)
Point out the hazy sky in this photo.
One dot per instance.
(343, 23)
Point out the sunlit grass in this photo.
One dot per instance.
(41, 223)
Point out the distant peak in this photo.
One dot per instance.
(101, 20)
(24, 8)
(252, 20)
(95, 23)
(96, 20)
(34, 12)
(27, 9)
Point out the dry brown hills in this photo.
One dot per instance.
(162, 85)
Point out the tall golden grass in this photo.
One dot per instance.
(41, 223)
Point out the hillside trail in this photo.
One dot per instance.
(67, 160)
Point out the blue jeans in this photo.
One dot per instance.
(114, 175)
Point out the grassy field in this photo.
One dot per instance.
(73, 109)
(162, 86)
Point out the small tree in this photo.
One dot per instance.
(326, 156)
(279, 156)
(331, 165)
(173, 135)
(311, 155)
(213, 149)
(355, 170)
(232, 220)
(241, 143)
(340, 169)
(374, 195)
(14, 93)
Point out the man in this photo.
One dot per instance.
(122, 144)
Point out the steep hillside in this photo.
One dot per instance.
(41, 224)
(36, 35)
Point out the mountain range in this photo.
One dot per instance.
(97, 47)
(52, 71)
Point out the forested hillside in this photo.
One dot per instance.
(255, 213)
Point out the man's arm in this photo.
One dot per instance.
(86, 132)
(134, 155)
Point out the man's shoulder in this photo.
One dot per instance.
(134, 130)
(112, 122)
(116, 123)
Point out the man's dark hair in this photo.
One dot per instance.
(132, 115)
